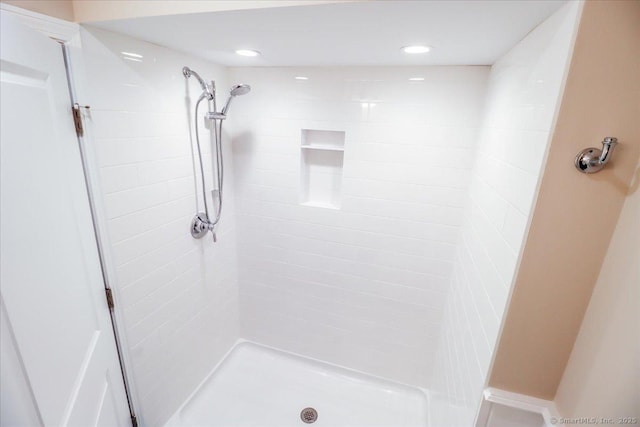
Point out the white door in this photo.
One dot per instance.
(58, 347)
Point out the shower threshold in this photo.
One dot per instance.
(260, 386)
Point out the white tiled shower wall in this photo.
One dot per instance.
(363, 286)
(178, 295)
(366, 286)
(523, 94)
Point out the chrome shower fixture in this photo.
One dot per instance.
(203, 222)
(236, 90)
(208, 89)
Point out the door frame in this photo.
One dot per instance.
(68, 35)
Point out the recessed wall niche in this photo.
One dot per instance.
(322, 159)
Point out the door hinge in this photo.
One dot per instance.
(134, 421)
(77, 118)
(110, 302)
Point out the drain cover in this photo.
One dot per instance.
(309, 415)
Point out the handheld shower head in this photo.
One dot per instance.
(236, 90)
(240, 89)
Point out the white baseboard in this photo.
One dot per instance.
(546, 408)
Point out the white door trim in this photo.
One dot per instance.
(68, 33)
(55, 28)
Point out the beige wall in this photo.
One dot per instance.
(575, 214)
(601, 379)
(103, 10)
(62, 9)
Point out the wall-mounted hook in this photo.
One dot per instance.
(591, 160)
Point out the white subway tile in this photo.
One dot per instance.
(514, 228)
(118, 178)
(521, 99)
(129, 201)
(169, 297)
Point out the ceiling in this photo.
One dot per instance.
(359, 33)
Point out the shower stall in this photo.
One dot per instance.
(375, 205)
(372, 222)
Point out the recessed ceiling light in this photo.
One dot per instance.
(416, 49)
(247, 52)
(416, 79)
(301, 78)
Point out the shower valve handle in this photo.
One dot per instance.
(200, 225)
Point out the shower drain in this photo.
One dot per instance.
(309, 415)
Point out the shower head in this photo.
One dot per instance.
(240, 90)
(237, 90)
(208, 91)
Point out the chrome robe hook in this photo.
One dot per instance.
(591, 160)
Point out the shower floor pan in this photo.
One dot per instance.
(259, 386)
